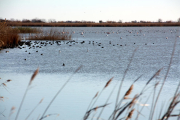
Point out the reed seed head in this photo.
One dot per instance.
(96, 108)
(34, 75)
(96, 95)
(4, 84)
(2, 98)
(13, 108)
(126, 97)
(41, 100)
(129, 91)
(133, 101)
(108, 82)
(156, 84)
(9, 80)
(130, 114)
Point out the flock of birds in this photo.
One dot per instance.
(40, 44)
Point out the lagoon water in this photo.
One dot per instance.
(102, 56)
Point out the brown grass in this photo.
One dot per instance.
(51, 35)
(9, 37)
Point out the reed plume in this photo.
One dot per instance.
(12, 111)
(96, 95)
(121, 83)
(130, 114)
(165, 77)
(8, 80)
(32, 78)
(34, 75)
(133, 101)
(108, 83)
(93, 109)
(129, 91)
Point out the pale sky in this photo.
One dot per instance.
(91, 10)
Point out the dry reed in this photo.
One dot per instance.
(129, 91)
(108, 82)
(32, 78)
(165, 77)
(34, 109)
(51, 35)
(96, 95)
(130, 114)
(93, 109)
(9, 38)
(43, 115)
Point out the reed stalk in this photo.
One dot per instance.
(165, 77)
(27, 88)
(34, 109)
(43, 115)
(121, 83)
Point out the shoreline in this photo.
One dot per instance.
(93, 24)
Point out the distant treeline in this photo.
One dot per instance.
(42, 22)
(92, 24)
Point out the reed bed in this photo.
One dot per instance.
(51, 35)
(9, 37)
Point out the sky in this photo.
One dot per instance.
(91, 10)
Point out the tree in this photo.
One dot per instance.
(120, 21)
(178, 20)
(159, 20)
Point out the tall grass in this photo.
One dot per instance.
(9, 37)
(51, 35)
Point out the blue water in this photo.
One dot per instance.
(102, 56)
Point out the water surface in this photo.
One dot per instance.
(102, 55)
